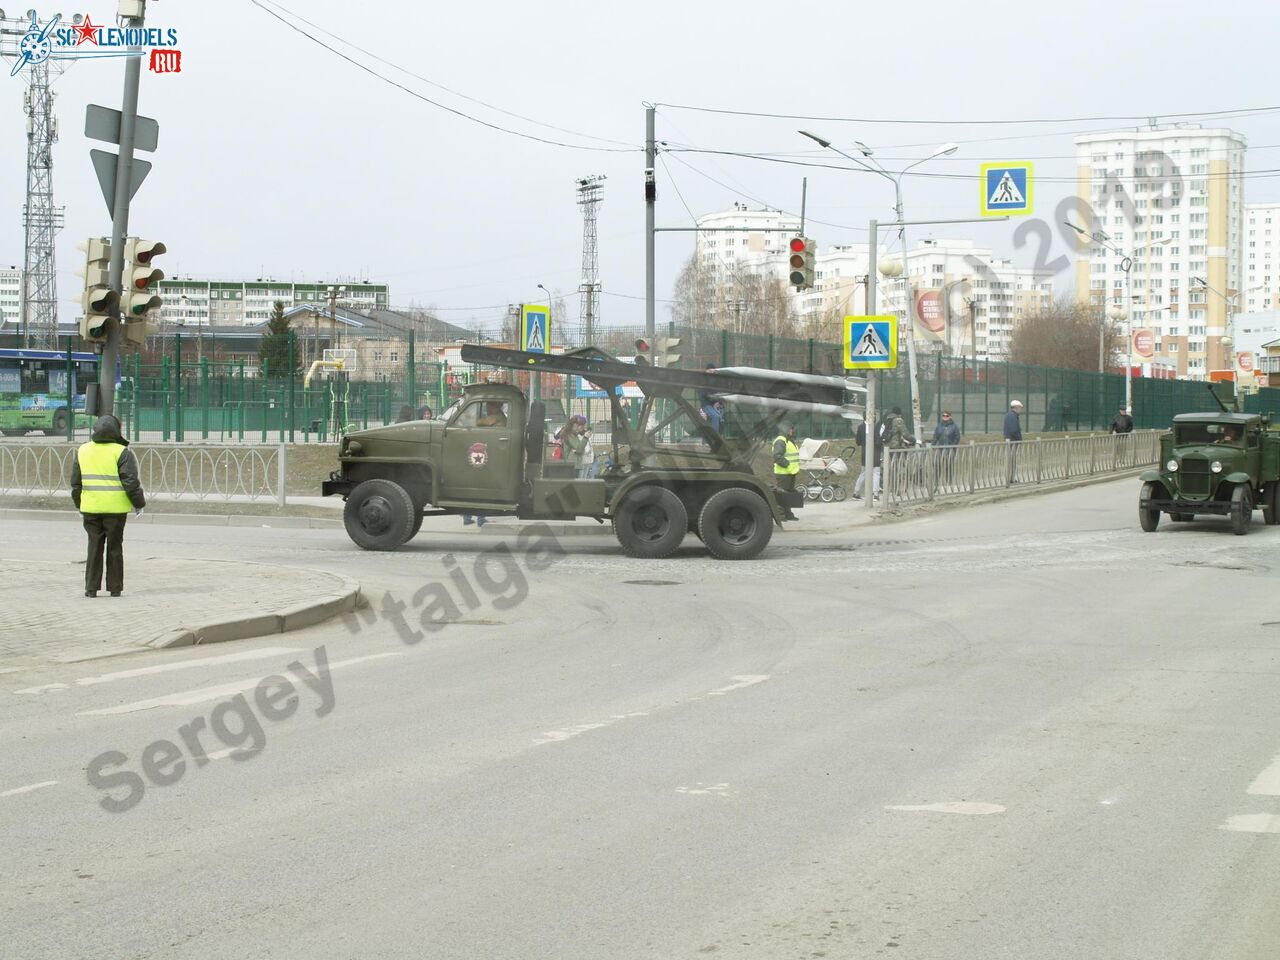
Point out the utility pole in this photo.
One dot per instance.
(873, 380)
(120, 218)
(650, 200)
(589, 303)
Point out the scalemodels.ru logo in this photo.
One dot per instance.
(86, 40)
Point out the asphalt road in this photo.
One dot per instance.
(1025, 730)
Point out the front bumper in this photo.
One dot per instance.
(1185, 506)
(336, 484)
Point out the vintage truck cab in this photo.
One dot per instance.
(1214, 463)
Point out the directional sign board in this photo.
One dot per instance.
(535, 328)
(1006, 189)
(870, 343)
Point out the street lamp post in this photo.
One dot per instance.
(896, 179)
(334, 294)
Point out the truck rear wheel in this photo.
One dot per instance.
(1150, 519)
(1241, 509)
(735, 524)
(650, 523)
(1269, 504)
(378, 515)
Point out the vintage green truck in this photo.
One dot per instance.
(1214, 463)
(672, 476)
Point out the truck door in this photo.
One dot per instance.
(482, 451)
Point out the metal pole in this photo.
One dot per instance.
(1128, 341)
(873, 378)
(650, 200)
(120, 222)
(909, 316)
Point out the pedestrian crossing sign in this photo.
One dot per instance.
(1006, 189)
(870, 343)
(535, 327)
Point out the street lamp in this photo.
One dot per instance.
(1232, 301)
(334, 294)
(896, 179)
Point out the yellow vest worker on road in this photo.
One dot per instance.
(786, 461)
(105, 487)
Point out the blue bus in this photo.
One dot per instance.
(34, 391)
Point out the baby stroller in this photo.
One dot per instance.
(821, 474)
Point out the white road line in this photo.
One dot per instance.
(223, 754)
(205, 694)
(28, 788)
(967, 807)
(187, 664)
(1267, 783)
(36, 691)
(749, 680)
(1253, 823)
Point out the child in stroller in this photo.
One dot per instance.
(821, 475)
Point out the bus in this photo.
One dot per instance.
(34, 390)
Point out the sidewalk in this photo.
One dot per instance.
(167, 602)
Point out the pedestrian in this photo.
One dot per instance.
(406, 414)
(706, 397)
(860, 438)
(574, 439)
(1121, 427)
(786, 462)
(1013, 435)
(104, 488)
(1067, 419)
(1122, 422)
(896, 436)
(425, 413)
(714, 413)
(946, 437)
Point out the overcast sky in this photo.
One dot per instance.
(277, 158)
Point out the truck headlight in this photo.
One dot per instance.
(1172, 466)
(1216, 466)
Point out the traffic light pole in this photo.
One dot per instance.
(873, 380)
(120, 223)
(650, 199)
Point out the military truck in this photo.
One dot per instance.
(1221, 463)
(671, 476)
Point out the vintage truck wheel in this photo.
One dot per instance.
(735, 524)
(1241, 509)
(650, 523)
(417, 525)
(1269, 503)
(1150, 519)
(378, 515)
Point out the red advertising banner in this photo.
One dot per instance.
(931, 315)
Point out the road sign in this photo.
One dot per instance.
(535, 328)
(1006, 189)
(104, 164)
(103, 123)
(870, 343)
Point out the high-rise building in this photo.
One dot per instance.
(10, 295)
(1170, 202)
(743, 239)
(1261, 257)
(197, 302)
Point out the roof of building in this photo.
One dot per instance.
(383, 324)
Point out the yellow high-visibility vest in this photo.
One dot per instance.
(793, 458)
(100, 488)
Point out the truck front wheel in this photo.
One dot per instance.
(378, 515)
(1150, 519)
(650, 523)
(1241, 509)
(735, 524)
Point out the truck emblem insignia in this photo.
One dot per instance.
(478, 455)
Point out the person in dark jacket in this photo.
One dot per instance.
(946, 437)
(1013, 435)
(896, 434)
(104, 488)
(860, 438)
(1122, 422)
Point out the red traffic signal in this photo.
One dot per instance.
(801, 263)
(798, 244)
(644, 352)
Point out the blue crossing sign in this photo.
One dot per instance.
(870, 343)
(535, 328)
(1006, 189)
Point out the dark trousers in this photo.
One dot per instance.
(106, 531)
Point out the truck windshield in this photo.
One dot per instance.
(1220, 433)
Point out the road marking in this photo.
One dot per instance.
(1253, 823)
(967, 807)
(187, 664)
(749, 680)
(28, 788)
(718, 789)
(557, 736)
(231, 751)
(205, 694)
(1267, 783)
(36, 691)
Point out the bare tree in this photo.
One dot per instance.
(1066, 334)
(732, 298)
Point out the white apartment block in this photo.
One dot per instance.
(1171, 199)
(10, 295)
(199, 302)
(1261, 257)
(743, 239)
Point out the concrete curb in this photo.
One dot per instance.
(1009, 493)
(196, 519)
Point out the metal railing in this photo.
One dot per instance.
(920, 474)
(201, 472)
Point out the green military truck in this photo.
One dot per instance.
(672, 476)
(1223, 463)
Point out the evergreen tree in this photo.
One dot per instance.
(273, 351)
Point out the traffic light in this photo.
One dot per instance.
(99, 301)
(139, 296)
(668, 350)
(801, 263)
(644, 353)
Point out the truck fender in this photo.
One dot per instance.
(1152, 476)
(1237, 477)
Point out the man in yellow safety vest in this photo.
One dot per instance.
(105, 487)
(786, 461)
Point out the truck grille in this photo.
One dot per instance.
(1195, 476)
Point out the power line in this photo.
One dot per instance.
(436, 103)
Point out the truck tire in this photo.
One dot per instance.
(735, 524)
(378, 515)
(1149, 519)
(1241, 509)
(1269, 515)
(650, 523)
(417, 525)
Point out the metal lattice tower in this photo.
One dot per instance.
(41, 219)
(589, 302)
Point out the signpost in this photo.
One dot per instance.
(535, 328)
(1006, 189)
(871, 343)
